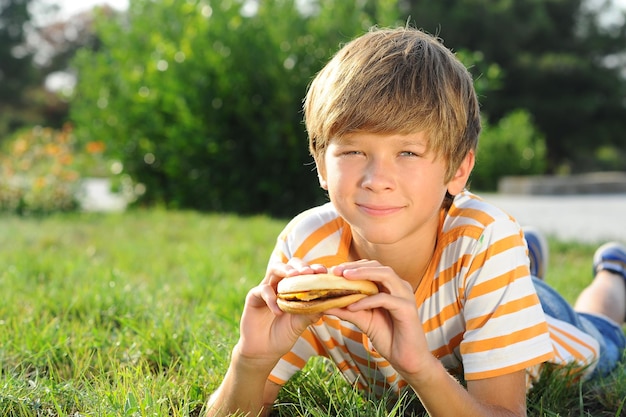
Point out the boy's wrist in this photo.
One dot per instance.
(428, 373)
(252, 364)
(242, 390)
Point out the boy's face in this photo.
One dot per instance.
(387, 187)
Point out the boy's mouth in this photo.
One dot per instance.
(379, 210)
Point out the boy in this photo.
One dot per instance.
(393, 123)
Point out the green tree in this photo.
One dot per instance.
(511, 147)
(202, 100)
(556, 61)
(206, 110)
(31, 47)
(16, 69)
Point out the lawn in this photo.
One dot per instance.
(135, 314)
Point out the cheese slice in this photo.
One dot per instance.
(315, 294)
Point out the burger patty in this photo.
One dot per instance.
(315, 294)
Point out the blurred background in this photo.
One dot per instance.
(196, 104)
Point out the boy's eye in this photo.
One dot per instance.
(408, 153)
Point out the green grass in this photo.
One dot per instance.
(135, 314)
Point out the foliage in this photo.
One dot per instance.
(31, 47)
(206, 110)
(559, 60)
(512, 147)
(41, 171)
(16, 69)
(37, 173)
(136, 314)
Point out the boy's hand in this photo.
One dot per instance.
(390, 318)
(266, 333)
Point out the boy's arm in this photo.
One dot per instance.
(265, 335)
(391, 321)
(245, 389)
(442, 395)
(508, 391)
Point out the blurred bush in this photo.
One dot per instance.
(201, 100)
(38, 175)
(512, 147)
(42, 171)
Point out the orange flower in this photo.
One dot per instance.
(52, 149)
(20, 146)
(40, 182)
(95, 147)
(69, 176)
(66, 159)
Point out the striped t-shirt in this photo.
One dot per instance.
(478, 306)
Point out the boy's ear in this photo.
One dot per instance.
(323, 183)
(321, 174)
(459, 180)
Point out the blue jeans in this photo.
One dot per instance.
(609, 334)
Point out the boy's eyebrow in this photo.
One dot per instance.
(414, 142)
(350, 140)
(344, 140)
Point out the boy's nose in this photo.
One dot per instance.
(378, 175)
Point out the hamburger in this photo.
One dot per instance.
(315, 293)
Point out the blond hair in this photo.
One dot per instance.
(395, 81)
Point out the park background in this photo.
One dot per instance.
(190, 110)
(196, 104)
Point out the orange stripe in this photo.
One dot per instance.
(576, 339)
(314, 342)
(346, 241)
(499, 282)
(450, 273)
(505, 340)
(480, 216)
(508, 369)
(477, 263)
(355, 335)
(361, 361)
(332, 322)
(428, 287)
(276, 380)
(504, 309)
(575, 353)
(316, 237)
(343, 366)
(392, 378)
(382, 384)
(346, 332)
(332, 344)
(343, 251)
(328, 261)
(295, 360)
(558, 356)
(448, 349)
(368, 361)
(505, 244)
(495, 248)
(471, 231)
(446, 313)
